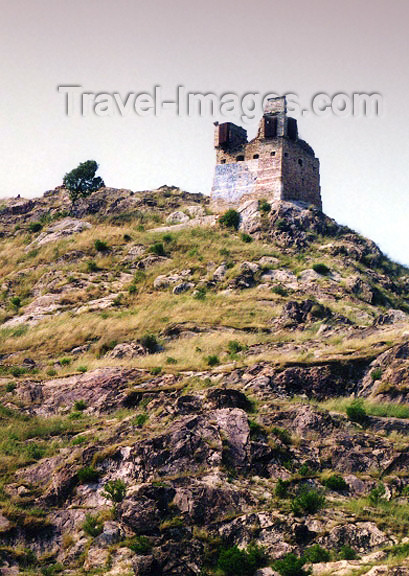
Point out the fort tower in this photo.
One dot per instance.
(275, 165)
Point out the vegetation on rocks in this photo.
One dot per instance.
(182, 394)
(81, 181)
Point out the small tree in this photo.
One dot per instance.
(87, 475)
(308, 501)
(92, 525)
(115, 490)
(281, 488)
(150, 342)
(230, 219)
(264, 206)
(158, 249)
(336, 482)
(291, 565)
(347, 553)
(315, 554)
(377, 494)
(235, 562)
(81, 181)
(321, 268)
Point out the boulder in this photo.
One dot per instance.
(182, 287)
(360, 288)
(246, 276)
(387, 377)
(65, 227)
(144, 510)
(127, 350)
(220, 273)
(195, 211)
(177, 217)
(364, 537)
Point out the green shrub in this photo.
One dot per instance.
(315, 554)
(35, 451)
(336, 482)
(234, 347)
(230, 219)
(158, 249)
(212, 360)
(10, 386)
(377, 494)
(347, 553)
(35, 227)
(171, 360)
(115, 490)
(376, 374)
(304, 470)
(156, 370)
(92, 526)
(281, 488)
(51, 372)
(235, 562)
(78, 440)
(132, 289)
(150, 342)
(17, 371)
(320, 268)
(167, 238)
(92, 266)
(291, 565)
(255, 429)
(140, 420)
(65, 361)
(100, 246)
(200, 293)
(281, 224)
(80, 405)
(246, 238)
(280, 290)
(87, 475)
(264, 206)
(140, 545)
(282, 434)
(52, 569)
(308, 501)
(356, 413)
(82, 369)
(15, 302)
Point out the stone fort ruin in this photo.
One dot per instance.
(275, 165)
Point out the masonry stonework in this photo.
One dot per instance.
(275, 165)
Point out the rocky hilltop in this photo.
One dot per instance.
(182, 396)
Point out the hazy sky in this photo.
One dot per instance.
(220, 46)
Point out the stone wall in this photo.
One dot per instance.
(282, 167)
(233, 182)
(300, 173)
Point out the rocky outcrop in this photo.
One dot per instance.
(387, 377)
(100, 390)
(61, 229)
(182, 394)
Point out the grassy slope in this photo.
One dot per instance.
(143, 310)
